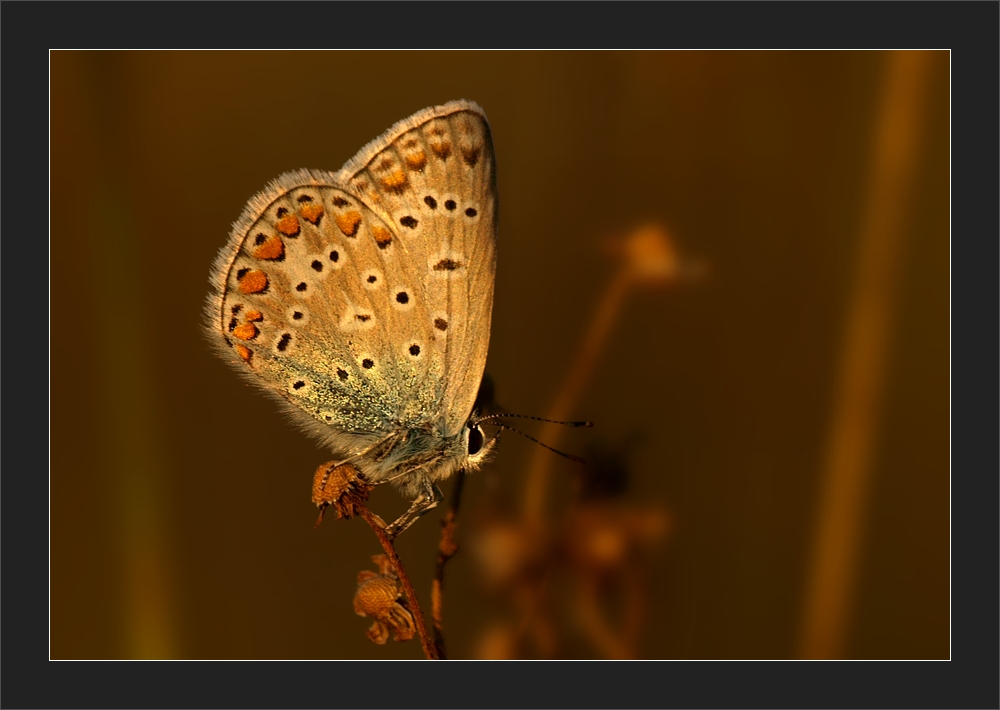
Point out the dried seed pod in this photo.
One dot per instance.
(380, 597)
(340, 486)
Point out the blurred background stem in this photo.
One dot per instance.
(569, 394)
(847, 467)
(132, 448)
(447, 548)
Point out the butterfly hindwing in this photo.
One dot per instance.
(306, 307)
(363, 298)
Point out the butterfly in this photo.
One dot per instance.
(361, 300)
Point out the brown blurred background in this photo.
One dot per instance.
(785, 415)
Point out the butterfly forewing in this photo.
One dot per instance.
(432, 177)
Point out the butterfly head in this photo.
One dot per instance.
(477, 446)
(475, 439)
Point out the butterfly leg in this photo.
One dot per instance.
(429, 497)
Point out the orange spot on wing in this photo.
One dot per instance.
(348, 222)
(253, 282)
(383, 237)
(312, 212)
(244, 352)
(246, 331)
(442, 149)
(254, 316)
(289, 225)
(395, 182)
(416, 161)
(272, 248)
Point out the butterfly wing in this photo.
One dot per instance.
(360, 298)
(432, 178)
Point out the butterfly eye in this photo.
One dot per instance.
(475, 440)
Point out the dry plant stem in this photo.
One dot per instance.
(847, 467)
(430, 650)
(574, 385)
(446, 550)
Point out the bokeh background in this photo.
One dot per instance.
(768, 476)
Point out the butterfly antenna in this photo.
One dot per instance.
(571, 457)
(537, 419)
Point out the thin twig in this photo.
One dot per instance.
(430, 649)
(446, 550)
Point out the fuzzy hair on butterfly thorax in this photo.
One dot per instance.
(361, 299)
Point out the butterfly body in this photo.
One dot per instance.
(361, 299)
